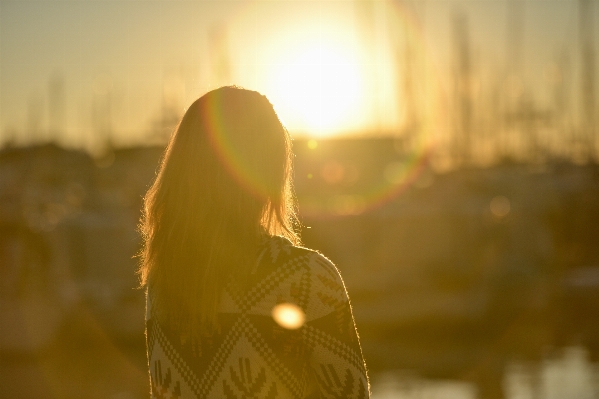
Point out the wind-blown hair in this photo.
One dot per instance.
(223, 182)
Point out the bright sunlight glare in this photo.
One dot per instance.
(288, 316)
(317, 87)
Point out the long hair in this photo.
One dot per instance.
(223, 182)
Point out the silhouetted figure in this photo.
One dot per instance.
(235, 307)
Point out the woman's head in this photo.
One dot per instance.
(225, 178)
(231, 153)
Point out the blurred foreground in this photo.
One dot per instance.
(485, 277)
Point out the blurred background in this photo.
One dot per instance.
(446, 160)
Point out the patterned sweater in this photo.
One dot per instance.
(252, 356)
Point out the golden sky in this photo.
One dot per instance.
(95, 71)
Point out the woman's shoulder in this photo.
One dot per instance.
(279, 253)
(314, 278)
(279, 250)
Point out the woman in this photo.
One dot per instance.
(235, 307)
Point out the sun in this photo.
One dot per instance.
(317, 88)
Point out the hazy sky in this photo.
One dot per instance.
(116, 65)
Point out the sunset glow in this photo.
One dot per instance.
(317, 87)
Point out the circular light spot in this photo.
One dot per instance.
(351, 175)
(500, 206)
(348, 205)
(288, 316)
(332, 172)
(312, 144)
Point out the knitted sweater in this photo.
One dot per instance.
(252, 356)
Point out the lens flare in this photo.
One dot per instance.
(288, 316)
(500, 206)
(396, 177)
(324, 77)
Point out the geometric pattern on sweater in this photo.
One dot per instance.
(250, 355)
